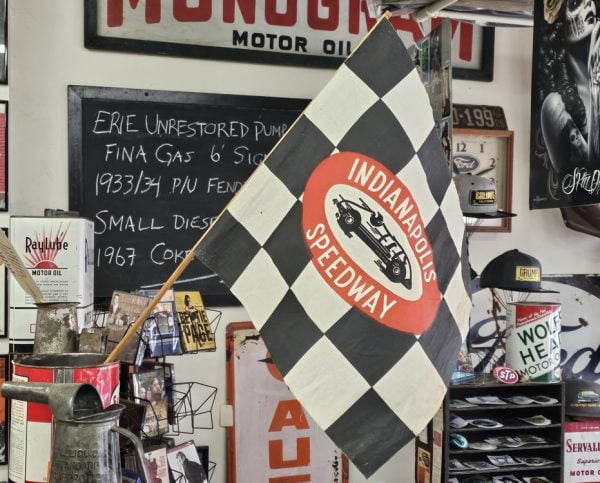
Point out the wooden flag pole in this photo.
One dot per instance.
(131, 332)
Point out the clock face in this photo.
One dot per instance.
(483, 156)
(489, 154)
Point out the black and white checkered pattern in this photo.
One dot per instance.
(371, 388)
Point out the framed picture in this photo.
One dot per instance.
(481, 68)
(489, 153)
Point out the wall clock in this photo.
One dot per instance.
(489, 153)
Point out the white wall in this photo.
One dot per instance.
(46, 54)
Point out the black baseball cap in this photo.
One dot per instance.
(477, 196)
(516, 271)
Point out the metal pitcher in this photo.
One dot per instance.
(55, 328)
(86, 437)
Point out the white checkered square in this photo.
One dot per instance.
(340, 104)
(416, 181)
(459, 302)
(450, 208)
(413, 389)
(260, 288)
(413, 111)
(262, 204)
(316, 379)
(322, 304)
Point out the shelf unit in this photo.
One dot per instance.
(507, 415)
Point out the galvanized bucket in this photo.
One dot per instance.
(56, 328)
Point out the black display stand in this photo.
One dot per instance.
(506, 414)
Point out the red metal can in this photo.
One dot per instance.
(31, 423)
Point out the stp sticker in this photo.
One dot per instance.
(505, 375)
(368, 241)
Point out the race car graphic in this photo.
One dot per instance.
(391, 257)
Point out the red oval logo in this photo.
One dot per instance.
(368, 241)
(505, 375)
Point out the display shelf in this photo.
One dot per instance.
(508, 415)
(506, 470)
(505, 406)
(504, 428)
(486, 451)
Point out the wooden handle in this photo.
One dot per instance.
(131, 332)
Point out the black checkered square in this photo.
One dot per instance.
(442, 341)
(295, 159)
(430, 154)
(372, 432)
(373, 64)
(370, 346)
(378, 134)
(289, 333)
(241, 248)
(290, 256)
(445, 255)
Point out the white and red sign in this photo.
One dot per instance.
(368, 241)
(505, 375)
(298, 31)
(581, 452)
(274, 440)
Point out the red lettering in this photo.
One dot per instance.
(285, 19)
(354, 16)
(355, 9)
(330, 22)
(465, 48)
(247, 9)
(114, 11)
(290, 479)
(276, 460)
(200, 13)
(288, 413)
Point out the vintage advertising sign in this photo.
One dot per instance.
(320, 34)
(582, 446)
(579, 298)
(267, 415)
(565, 139)
(533, 339)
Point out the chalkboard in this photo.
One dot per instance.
(152, 169)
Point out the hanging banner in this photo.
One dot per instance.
(565, 134)
(267, 415)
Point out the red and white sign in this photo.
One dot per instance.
(505, 375)
(581, 450)
(329, 30)
(273, 439)
(368, 241)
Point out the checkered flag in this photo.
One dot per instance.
(345, 247)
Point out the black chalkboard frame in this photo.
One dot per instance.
(77, 94)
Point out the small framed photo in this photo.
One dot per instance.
(489, 153)
(185, 465)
